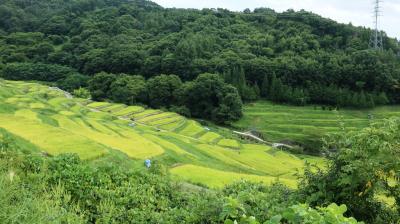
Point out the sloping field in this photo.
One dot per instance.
(172, 126)
(229, 143)
(165, 121)
(210, 137)
(191, 128)
(113, 108)
(98, 105)
(49, 121)
(52, 140)
(217, 178)
(306, 124)
(128, 142)
(144, 114)
(128, 111)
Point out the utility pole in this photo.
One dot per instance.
(376, 41)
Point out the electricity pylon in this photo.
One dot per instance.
(376, 41)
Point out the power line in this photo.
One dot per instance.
(376, 41)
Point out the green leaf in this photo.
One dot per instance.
(274, 220)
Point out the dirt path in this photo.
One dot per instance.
(66, 94)
(274, 145)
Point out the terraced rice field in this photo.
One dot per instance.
(229, 143)
(192, 128)
(217, 178)
(52, 140)
(51, 122)
(306, 125)
(210, 137)
(128, 111)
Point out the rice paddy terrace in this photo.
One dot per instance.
(48, 120)
(306, 124)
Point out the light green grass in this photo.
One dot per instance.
(261, 160)
(192, 128)
(96, 125)
(113, 108)
(60, 102)
(18, 99)
(143, 114)
(157, 117)
(130, 142)
(37, 105)
(66, 113)
(29, 114)
(210, 136)
(164, 121)
(97, 105)
(167, 145)
(229, 143)
(224, 155)
(217, 179)
(173, 126)
(52, 140)
(128, 110)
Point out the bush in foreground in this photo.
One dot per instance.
(364, 168)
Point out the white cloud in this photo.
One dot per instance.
(358, 12)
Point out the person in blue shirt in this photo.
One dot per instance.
(147, 163)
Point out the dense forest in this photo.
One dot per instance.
(290, 57)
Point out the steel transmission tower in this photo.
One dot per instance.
(376, 41)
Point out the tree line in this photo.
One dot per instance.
(208, 96)
(291, 57)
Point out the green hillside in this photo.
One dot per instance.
(294, 57)
(50, 121)
(306, 125)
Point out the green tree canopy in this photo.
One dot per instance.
(128, 89)
(161, 90)
(100, 85)
(209, 97)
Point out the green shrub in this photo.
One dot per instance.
(303, 214)
(82, 93)
(362, 169)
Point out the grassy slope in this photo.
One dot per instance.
(305, 124)
(45, 120)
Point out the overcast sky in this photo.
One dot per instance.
(358, 12)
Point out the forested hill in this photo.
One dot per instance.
(294, 57)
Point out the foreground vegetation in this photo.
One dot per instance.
(63, 189)
(306, 125)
